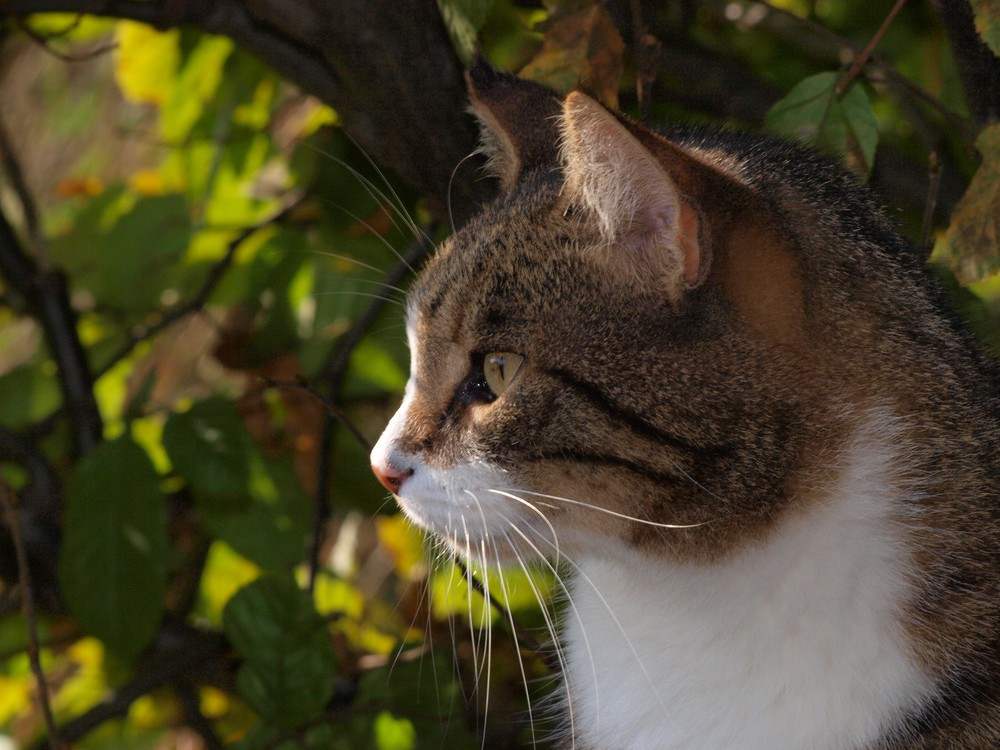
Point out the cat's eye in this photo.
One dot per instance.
(499, 369)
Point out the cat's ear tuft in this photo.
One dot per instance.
(637, 205)
(519, 121)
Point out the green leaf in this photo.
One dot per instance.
(27, 394)
(112, 566)
(972, 244)
(271, 531)
(394, 734)
(842, 126)
(125, 253)
(987, 19)
(464, 19)
(211, 449)
(195, 86)
(407, 688)
(266, 737)
(288, 672)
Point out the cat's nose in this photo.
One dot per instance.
(391, 478)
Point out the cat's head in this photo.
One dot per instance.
(618, 336)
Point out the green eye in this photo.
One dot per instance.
(500, 368)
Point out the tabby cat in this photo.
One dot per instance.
(703, 372)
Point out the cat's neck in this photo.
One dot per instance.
(771, 648)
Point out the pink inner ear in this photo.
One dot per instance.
(688, 237)
(632, 195)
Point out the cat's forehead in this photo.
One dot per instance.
(504, 257)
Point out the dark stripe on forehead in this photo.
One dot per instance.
(636, 422)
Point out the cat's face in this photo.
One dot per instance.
(575, 382)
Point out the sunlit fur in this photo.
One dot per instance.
(747, 437)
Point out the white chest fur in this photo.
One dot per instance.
(794, 644)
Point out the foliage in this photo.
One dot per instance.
(210, 558)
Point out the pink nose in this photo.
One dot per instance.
(391, 478)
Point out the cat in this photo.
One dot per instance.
(703, 371)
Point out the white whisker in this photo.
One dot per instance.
(397, 207)
(451, 179)
(618, 624)
(513, 630)
(552, 628)
(530, 506)
(610, 512)
(355, 293)
(359, 280)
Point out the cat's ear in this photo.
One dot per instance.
(637, 205)
(519, 121)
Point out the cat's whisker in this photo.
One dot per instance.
(394, 298)
(550, 623)
(398, 204)
(608, 511)
(381, 284)
(513, 629)
(349, 259)
(379, 236)
(472, 630)
(618, 623)
(356, 293)
(451, 179)
(680, 470)
(531, 507)
(380, 197)
(488, 652)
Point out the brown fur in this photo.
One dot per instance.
(717, 392)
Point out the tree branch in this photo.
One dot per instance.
(386, 66)
(179, 653)
(47, 296)
(28, 609)
(212, 280)
(333, 373)
(977, 65)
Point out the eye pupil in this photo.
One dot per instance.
(499, 370)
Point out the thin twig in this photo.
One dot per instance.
(861, 60)
(331, 408)
(28, 609)
(212, 279)
(186, 658)
(194, 718)
(47, 294)
(334, 375)
(523, 639)
(15, 174)
(43, 42)
(891, 75)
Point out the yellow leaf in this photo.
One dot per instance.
(405, 542)
(971, 245)
(15, 696)
(581, 47)
(337, 595)
(318, 116)
(987, 20)
(145, 62)
(226, 572)
(146, 182)
(88, 684)
(453, 596)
